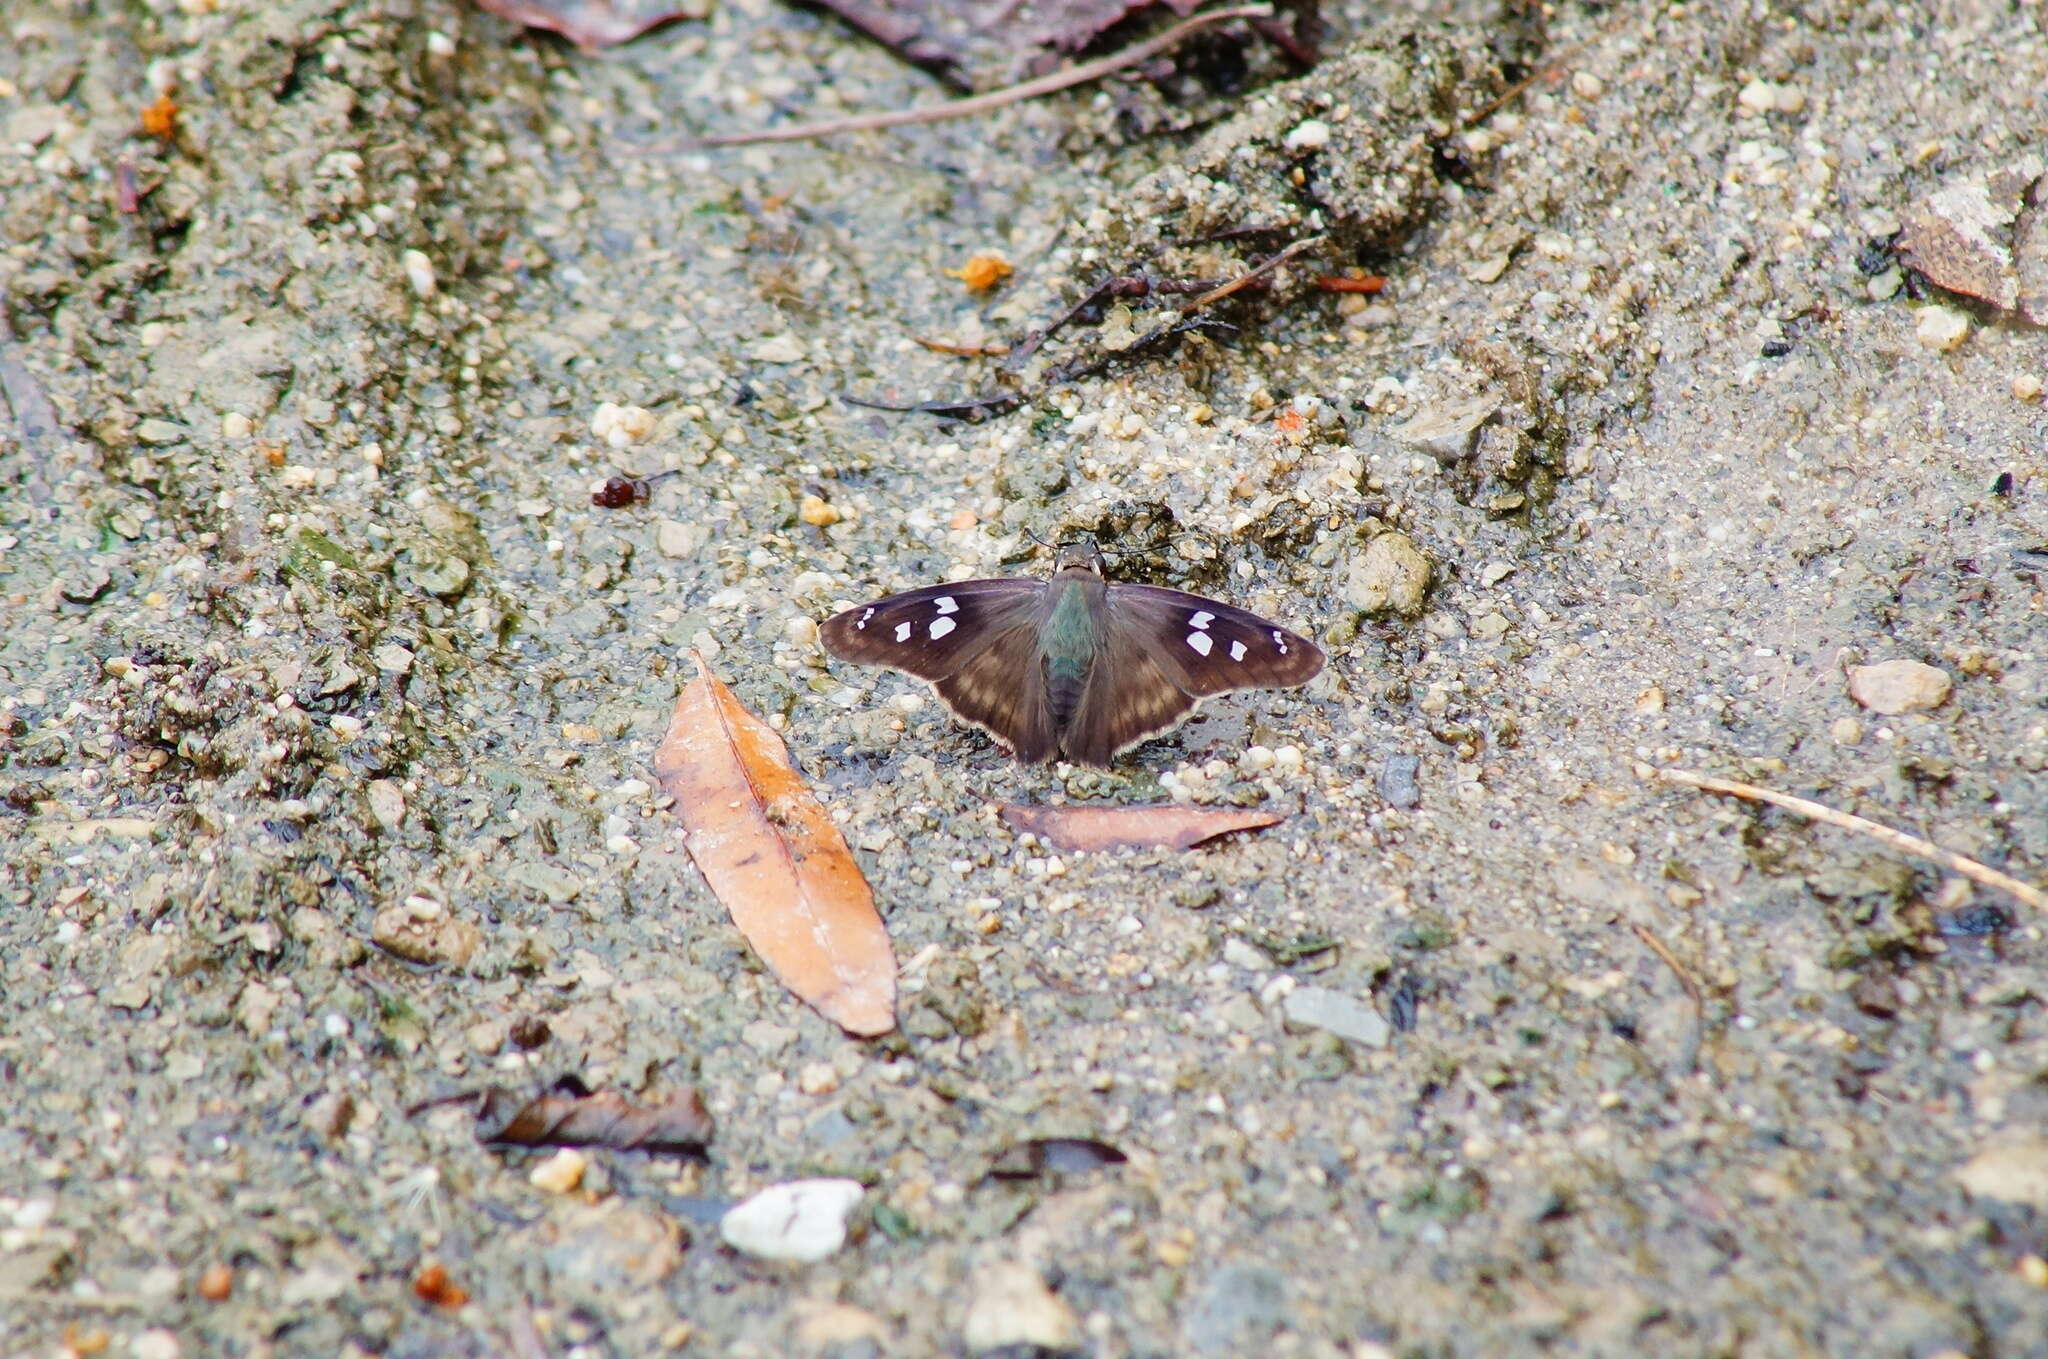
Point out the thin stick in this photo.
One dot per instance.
(1691, 1056)
(1899, 840)
(994, 99)
(1195, 304)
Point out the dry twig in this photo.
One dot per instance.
(1898, 840)
(994, 99)
(1691, 1056)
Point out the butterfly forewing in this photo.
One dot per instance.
(933, 632)
(1207, 647)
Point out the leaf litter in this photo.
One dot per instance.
(1164, 825)
(570, 1114)
(774, 857)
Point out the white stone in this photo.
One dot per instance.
(1941, 328)
(1012, 1308)
(419, 271)
(1312, 134)
(1318, 1007)
(1900, 686)
(803, 1221)
(783, 348)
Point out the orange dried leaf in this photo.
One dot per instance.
(1164, 826)
(772, 855)
(982, 272)
(432, 1285)
(160, 120)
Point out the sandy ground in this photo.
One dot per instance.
(312, 632)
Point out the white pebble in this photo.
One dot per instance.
(622, 426)
(419, 271)
(1941, 328)
(801, 1221)
(1311, 135)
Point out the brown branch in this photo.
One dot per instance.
(1300, 247)
(1690, 1059)
(1897, 839)
(994, 99)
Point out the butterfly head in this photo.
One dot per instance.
(1083, 555)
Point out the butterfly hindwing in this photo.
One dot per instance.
(1126, 700)
(931, 633)
(1001, 689)
(1207, 647)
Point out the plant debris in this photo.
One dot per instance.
(433, 1286)
(1165, 825)
(1042, 1156)
(1986, 238)
(569, 1114)
(592, 24)
(774, 857)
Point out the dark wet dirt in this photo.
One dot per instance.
(315, 647)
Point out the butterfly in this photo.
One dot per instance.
(1072, 667)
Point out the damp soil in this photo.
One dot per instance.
(327, 695)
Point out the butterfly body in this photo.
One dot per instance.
(1072, 666)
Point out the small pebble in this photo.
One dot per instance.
(2026, 387)
(1941, 328)
(1845, 731)
(817, 512)
(1900, 686)
(560, 1173)
(818, 1078)
(216, 1282)
(802, 1221)
(1013, 1310)
(235, 425)
(419, 272)
(784, 348)
(155, 1344)
(1390, 576)
(1318, 1007)
(1586, 85)
(1311, 135)
(619, 426)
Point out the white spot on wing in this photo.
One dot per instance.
(946, 604)
(903, 632)
(1237, 651)
(865, 615)
(942, 626)
(1201, 621)
(1201, 642)
(1280, 640)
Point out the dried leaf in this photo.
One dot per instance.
(776, 860)
(592, 23)
(1166, 825)
(1986, 237)
(1054, 1156)
(568, 1115)
(432, 1285)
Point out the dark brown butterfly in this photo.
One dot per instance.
(1071, 667)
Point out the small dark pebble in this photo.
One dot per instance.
(83, 587)
(529, 1032)
(1875, 257)
(1403, 1002)
(1396, 781)
(2002, 486)
(1777, 349)
(1972, 921)
(1876, 994)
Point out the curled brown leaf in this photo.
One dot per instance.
(569, 1115)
